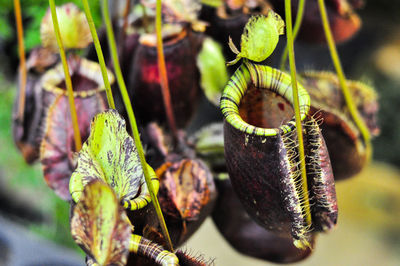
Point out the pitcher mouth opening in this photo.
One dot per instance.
(85, 76)
(252, 88)
(264, 108)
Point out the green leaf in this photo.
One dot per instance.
(109, 154)
(211, 63)
(260, 37)
(99, 225)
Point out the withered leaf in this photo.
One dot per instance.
(186, 188)
(100, 226)
(108, 154)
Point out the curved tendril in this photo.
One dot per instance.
(299, 130)
(68, 82)
(135, 132)
(297, 24)
(343, 84)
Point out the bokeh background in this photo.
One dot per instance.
(34, 223)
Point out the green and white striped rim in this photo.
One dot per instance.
(263, 77)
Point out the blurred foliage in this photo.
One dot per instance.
(33, 12)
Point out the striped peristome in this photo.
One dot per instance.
(263, 77)
(153, 251)
(52, 79)
(144, 196)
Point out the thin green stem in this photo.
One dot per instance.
(163, 74)
(297, 24)
(299, 128)
(22, 61)
(132, 120)
(68, 82)
(342, 80)
(99, 52)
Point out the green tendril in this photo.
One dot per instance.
(132, 120)
(343, 84)
(297, 25)
(68, 82)
(99, 52)
(299, 130)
